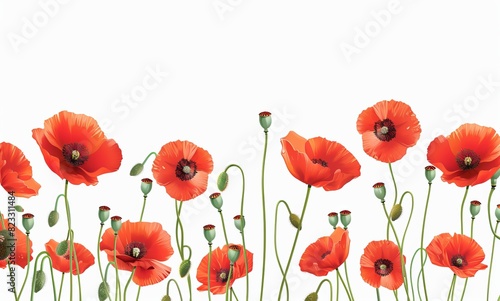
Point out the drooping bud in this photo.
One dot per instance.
(475, 207)
(19, 208)
(239, 222)
(209, 232)
(497, 212)
(379, 190)
(137, 169)
(116, 223)
(312, 297)
(166, 298)
(345, 217)
(430, 173)
(295, 221)
(184, 268)
(222, 181)
(103, 291)
(265, 120)
(62, 248)
(40, 280)
(233, 253)
(53, 218)
(146, 186)
(494, 178)
(104, 213)
(333, 219)
(396, 212)
(216, 200)
(28, 222)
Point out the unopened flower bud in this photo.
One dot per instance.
(312, 297)
(265, 120)
(19, 208)
(494, 178)
(295, 221)
(209, 232)
(104, 213)
(166, 298)
(430, 173)
(184, 268)
(137, 169)
(222, 181)
(396, 212)
(333, 219)
(53, 218)
(379, 190)
(40, 280)
(233, 253)
(475, 207)
(62, 248)
(239, 222)
(146, 186)
(103, 291)
(116, 223)
(216, 200)
(497, 212)
(28, 222)
(345, 217)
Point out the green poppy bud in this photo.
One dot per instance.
(295, 221)
(137, 169)
(40, 280)
(53, 218)
(184, 268)
(396, 212)
(222, 181)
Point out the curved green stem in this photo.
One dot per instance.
(57, 201)
(223, 226)
(274, 239)
(229, 277)
(45, 256)
(99, 260)
(150, 154)
(143, 207)
(331, 288)
(295, 240)
(395, 196)
(176, 284)
(452, 287)
(345, 287)
(347, 279)
(264, 230)
(462, 210)
(61, 286)
(422, 239)
(138, 293)
(179, 229)
(126, 285)
(420, 251)
(491, 263)
(489, 213)
(28, 268)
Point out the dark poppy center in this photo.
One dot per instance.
(320, 162)
(136, 249)
(467, 159)
(222, 275)
(384, 130)
(185, 170)
(383, 267)
(325, 254)
(75, 153)
(458, 261)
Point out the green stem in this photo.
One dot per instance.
(489, 213)
(229, 280)
(29, 261)
(378, 294)
(45, 255)
(274, 239)
(452, 287)
(223, 226)
(71, 246)
(338, 287)
(179, 229)
(395, 196)
(471, 236)
(143, 207)
(99, 260)
(117, 283)
(150, 154)
(331, 288)
(208, 272)
(347, 279)
(176, 284)
(126, 285)
(264, 230)
(462, 211)
(345, 287)
(422, 240)
(295, 240)
(491, 262)
(138, 293)
(233, 294)
(246, 261)
(60, 287)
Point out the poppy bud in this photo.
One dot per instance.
(222, 181)
(497, 212)
(333, 219)
(295, 220)
(53, 218)
(312, 297)
(137, 169)
(216, 200)
(39, 280)
(239, 222)
(19, 208)
(379, 190)
(103, 291)
(209, 232)
(184, 268)
(166, 298)
(104, 213)
(116, 223)
(4, 244)
(146, 185)
(475, 207)
(265, 120)
(430, 173)
(62, 248)
(28, 222)
(233, 253)
(494, 178)
(396, 212)
(345, 217)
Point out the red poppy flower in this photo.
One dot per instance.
(15, 172)
(468, 156)
(462, 254)
(61, 263)
(326, 254)
(21, 258)
(219, 270)
(388, 129)
(183, 169)
(381, 265)
(319, 162)
(140, 245)
(75, 148)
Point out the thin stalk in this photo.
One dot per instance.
(208, 272)
(274, 239)
(223, 226)
(462, 211)
(264, 230)
(331, 288)
(143, 207)
(29, 261)
(491, 263)
(345, 287)
(422, 240)
(452, 288)
(126, 285)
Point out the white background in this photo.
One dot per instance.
(314, 64)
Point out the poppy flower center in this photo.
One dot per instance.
(222, 275)
(320, 162)
(75, 153)
(458, 261)
(325, 254)
(185, 170)
(383, 267)
(467, 159)
(385, 130)
(135, 249)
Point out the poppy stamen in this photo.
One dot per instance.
(325, 254)
(385, 130)
(383, 267)
(458, 261)
(75, 153)
(185, 170)
(222, 275)
(320, 162)
(467, 159)
(135, 249)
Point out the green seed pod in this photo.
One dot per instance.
(39, 281)
(222, 181)
(53, 218)
(295, 220)
(103, 291)
(312, 297)
(19, 208)
(396, 212)
(265, 120)
(184, 268)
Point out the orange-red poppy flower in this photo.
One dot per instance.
(21, 256)
(468, 156)
(328, 253)
(462, 254)
(219, 269)
(388, 129)
(15, 172)
(381, 265)
(61, 262)
(319, 162)
(140, 245)
(75, 148)
(183, 169)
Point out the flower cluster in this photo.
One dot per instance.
(75, 149)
